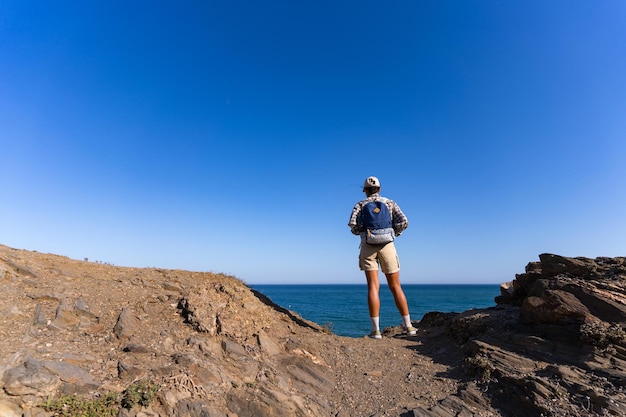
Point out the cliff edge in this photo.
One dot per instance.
(149, 342)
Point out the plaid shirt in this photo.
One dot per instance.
(399, 221)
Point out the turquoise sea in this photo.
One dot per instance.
(343, 308)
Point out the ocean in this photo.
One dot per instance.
(343, 308)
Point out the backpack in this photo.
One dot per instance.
(377, 223)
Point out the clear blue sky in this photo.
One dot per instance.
(234, 136)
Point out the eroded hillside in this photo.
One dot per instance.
(184, 344)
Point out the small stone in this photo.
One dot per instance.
(9, 409)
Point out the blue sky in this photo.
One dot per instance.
(234, 136)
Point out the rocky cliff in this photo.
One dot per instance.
(555, 344)
(84, 338)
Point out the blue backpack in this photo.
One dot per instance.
(377, 223)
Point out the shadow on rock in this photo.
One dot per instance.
(293, 316)
(553, 346)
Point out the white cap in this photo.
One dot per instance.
(371, 182)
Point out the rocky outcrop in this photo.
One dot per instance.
(209, 344)
(555, 345)
(156, 343)
(559, 289)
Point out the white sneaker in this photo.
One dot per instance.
(375, 335)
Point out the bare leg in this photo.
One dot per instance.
(393, 280)
(373, 300)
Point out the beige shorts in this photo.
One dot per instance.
(373, 255)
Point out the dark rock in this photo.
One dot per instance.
(554, 306)
(66, 317)
(30, 378)
(129, 371)
(136, 348)
(126, 325)
(553, 265)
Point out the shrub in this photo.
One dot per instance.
(481, 366)
(140, 393)
(107, 405)
(601, 335)
(328, 328)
